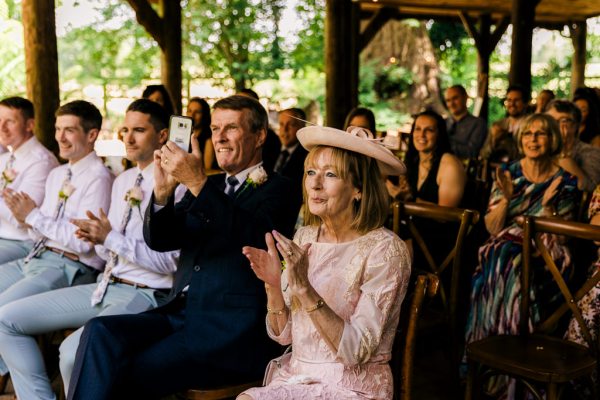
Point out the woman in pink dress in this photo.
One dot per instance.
(344, 276)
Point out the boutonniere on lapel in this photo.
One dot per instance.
(255, 178)
(66, 191)
(8, 176)
(134, 197)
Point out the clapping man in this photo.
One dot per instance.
(24, 167)
(136, 278)
(212, 331)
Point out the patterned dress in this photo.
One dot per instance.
(364, 282)
(495, 284)
(590, 303)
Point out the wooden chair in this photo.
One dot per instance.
(539, 358)
(466, 219)
(221, 392)
(406, 337)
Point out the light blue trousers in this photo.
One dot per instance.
(11, 250)
(55, 310)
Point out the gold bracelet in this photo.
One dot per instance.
(275, 312)
(320, 303)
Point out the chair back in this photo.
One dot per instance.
(403, 357)
(533, 228)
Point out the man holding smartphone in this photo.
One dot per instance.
(212, 331)
(135, 278)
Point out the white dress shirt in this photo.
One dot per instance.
(33, 162)
(243, 175)
(137, 262)
(92, 182)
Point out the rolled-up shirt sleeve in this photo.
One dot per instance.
(385, 279)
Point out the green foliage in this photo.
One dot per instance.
(308, 52)
(12, 69)
(235, 39)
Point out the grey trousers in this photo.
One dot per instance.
(11, 250)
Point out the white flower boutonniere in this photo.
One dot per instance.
(134, 196)
(66, 191)
(257, 177)
(9, 175)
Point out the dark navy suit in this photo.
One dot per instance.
(212, 334)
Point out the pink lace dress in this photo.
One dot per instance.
(364, 282)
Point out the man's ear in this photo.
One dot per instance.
(93, 135)
(262, 137)
(163, 136)
(30, 125)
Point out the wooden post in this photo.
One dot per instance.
(578, 32)
(341, 59)
(485, 43)
(41, 65)
(523, 20)
(171, 58)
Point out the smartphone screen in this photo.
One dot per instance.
(180, 131)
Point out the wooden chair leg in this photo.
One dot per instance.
(552, 393)
(472, 388)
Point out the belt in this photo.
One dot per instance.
(114, 279)
(70, 256)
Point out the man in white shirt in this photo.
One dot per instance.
(84, 183)
(24, 168)
(137, 278)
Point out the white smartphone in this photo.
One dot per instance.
(180, 131)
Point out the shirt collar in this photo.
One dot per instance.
(26, 147)
(241, 176)
(84, 163)
(291, 148)
(148, 172)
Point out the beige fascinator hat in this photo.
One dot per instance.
(358, 140)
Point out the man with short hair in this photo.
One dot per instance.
(136, 279)
(57, 257)
(578, 158)
(515, 103)
(290, 162)
(24, 168)
(467, 133)
(212, 331)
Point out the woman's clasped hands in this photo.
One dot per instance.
(268, 267)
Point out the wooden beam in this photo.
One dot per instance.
(375, 24)
(501, 27)
(41, 65)
(171, 56)
(341, 60)
(522, 19)
(578, 31)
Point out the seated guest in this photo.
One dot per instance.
(290, 162)
(467, 132)
(500, 146)
(83, 184)
(340, 316)
(212, 332)
(135, 278)
(515, 103)
(434, 174)
(534, 185)
(199, 110)
(589, 128)
(272, 144)
(160, 95)
(578, 158)
(24, 169)
(361, 117)
(542, 101)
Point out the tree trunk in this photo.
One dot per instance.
(171, 58)
(341, 59)
(578, 37)
(41, 64)
(522, 19)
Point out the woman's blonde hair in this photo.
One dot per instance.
(371, 211)
(549, 125)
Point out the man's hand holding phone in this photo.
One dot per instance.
(178, 166)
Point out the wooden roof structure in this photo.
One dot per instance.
(548, 13)
(484, 20)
